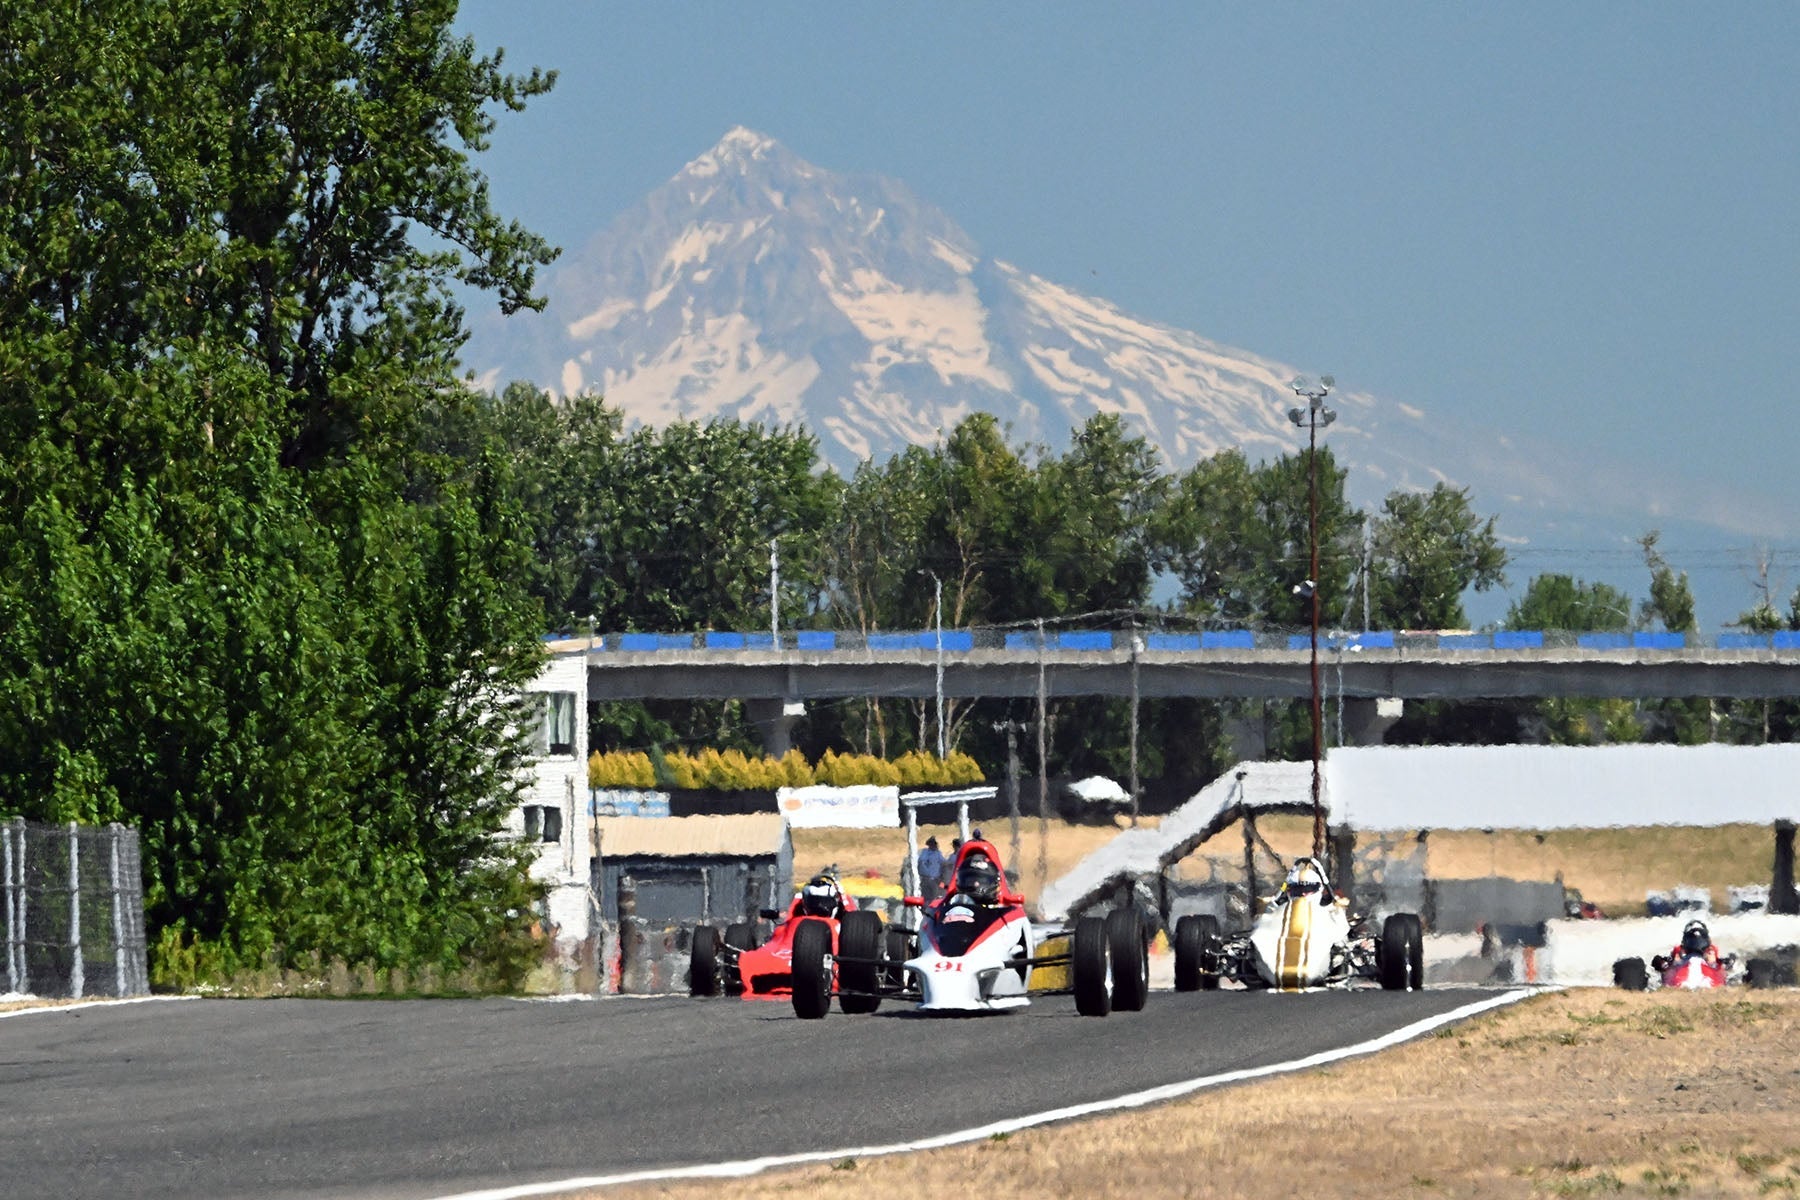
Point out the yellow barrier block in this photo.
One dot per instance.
(1050, 979)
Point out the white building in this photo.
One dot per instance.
(553, 813)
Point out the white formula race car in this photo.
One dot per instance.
(1305, 939)
(975, 951)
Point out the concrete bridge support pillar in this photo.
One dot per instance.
(1367, 719)
(775, 720)
(1248, 733)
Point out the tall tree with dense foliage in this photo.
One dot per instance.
(247, 608)
(1561, 602)
(1238, 538)
(1429, 549)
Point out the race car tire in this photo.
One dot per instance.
(812, 970)
(703, 962)
(1092, 968)
(1760, 973)
(899, 949)
(859, 937)
(1197, 953)
(1400, 959)
(1129, 950)
(1631, 975)
(740, 935)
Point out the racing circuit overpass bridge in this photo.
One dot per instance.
(1360, 668)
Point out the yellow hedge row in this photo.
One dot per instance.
(733, 770)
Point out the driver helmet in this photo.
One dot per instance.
(819, 898)
(1694, 938)
(979, 877)
(1306, 878)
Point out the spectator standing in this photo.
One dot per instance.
(931, 871)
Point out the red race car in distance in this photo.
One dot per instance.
(735, 964)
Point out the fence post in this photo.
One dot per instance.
(12, 946)
(75, 973)
(113, 831)
(16, 936)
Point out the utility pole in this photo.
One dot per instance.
(1012, 729)
(774, 595)
(1134, 723)
(937, 620)
(1312, 418)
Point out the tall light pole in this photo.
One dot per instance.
(937, 611)
(1314, 417)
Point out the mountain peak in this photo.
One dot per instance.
(735, 152)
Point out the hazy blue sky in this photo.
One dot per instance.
(1575, 219)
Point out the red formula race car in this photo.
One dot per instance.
(734, 963)
(1693, 963)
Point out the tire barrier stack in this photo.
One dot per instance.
(73, 901)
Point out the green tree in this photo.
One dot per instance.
(249, 612)
(1561, 602)
(1430, 548)
(1555, 601)
(1238, 538)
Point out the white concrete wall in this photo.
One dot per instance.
(1561, 787)
(560, 782)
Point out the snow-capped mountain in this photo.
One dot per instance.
(758, 286)
(755, 285)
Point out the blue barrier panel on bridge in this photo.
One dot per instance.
(1786, 639)
(720, 640)
(1367, 640)
(957, 639)
(815, 639)
(1371, 640)
(1228, 639)
(1744, 641)
(759, 641)
(1465, 641)
(1172, 641)
(1603, 641)
(1022, 641)
(1519, 639)
(656, 641)
(1085, 639)
(899, 641)
(1659, 641)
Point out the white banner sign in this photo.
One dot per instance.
(865, 806)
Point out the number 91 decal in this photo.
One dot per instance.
(947, 964)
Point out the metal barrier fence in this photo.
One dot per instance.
(73, 899)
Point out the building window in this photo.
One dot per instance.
(543, 823)
(555, 734)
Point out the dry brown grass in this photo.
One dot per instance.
(1585, 1093)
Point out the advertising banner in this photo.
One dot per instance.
(627, 802)
(866, 806)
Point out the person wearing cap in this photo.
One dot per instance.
(931, 871)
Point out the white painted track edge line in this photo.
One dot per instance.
(1170, 1091)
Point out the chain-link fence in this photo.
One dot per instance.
(73, 899)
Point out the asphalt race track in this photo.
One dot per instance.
(425, 1098)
